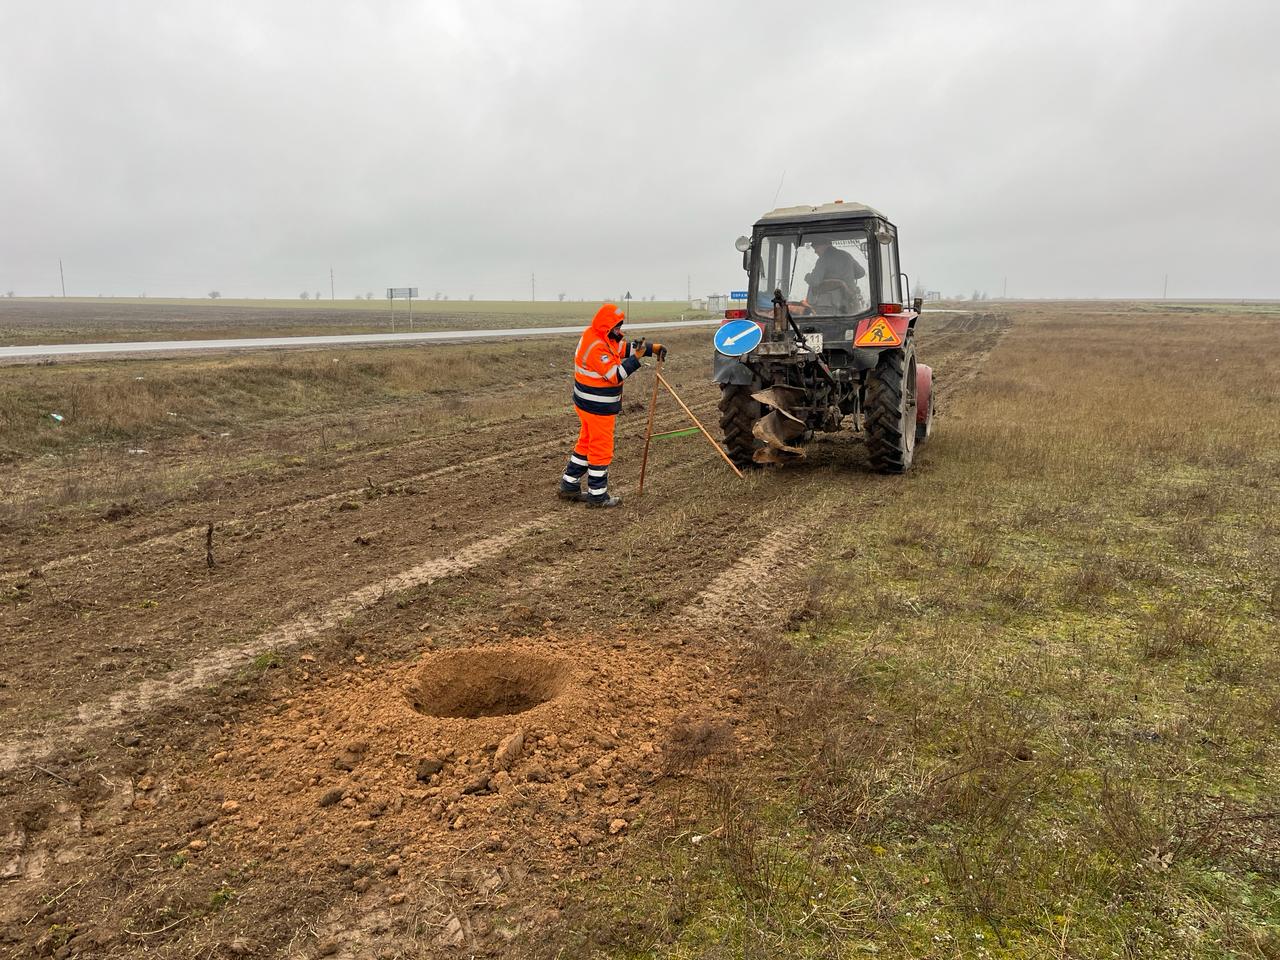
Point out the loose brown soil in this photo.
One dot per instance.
(412, 692)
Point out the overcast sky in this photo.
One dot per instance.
(1076, 148)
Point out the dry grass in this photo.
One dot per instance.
(202, 420)
(1039, 730)
(124, 402)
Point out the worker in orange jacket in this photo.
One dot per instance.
(602, 362)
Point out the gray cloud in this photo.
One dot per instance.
(1079, 149)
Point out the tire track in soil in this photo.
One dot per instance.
(194, 534)
(968, 365)
(105, 715)
(198, 609)
(734, 598)
(779, 542)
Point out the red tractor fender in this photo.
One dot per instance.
(924, 395)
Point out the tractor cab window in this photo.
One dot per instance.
(822, 273)
(889, 289)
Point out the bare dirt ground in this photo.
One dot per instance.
(229, 759)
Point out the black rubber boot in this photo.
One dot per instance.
(572, 494)
(604, 503)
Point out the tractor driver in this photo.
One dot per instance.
(833, 281)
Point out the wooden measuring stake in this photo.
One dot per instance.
(648, 434)
(698, 423)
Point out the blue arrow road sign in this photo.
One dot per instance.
(737, 294)
(738, 337)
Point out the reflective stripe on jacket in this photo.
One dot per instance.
(600, 365)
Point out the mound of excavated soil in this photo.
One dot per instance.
(504, 758)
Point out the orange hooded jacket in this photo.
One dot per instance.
(601, 365)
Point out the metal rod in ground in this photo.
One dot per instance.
(710, 439)
(648, 433)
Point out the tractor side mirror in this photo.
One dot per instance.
(743, 246)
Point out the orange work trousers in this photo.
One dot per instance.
(595, 438)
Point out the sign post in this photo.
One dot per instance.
(401, 293)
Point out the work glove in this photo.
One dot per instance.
(638, 347)
(658, 350)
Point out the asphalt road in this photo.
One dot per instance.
(41, 351)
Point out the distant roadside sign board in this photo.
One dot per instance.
(401, 293)
(738, 295)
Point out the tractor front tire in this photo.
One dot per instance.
(738, 414)
(891, 411)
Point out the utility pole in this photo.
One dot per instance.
(688, 287)
(331, 283)
(1163, 296)
(1005, 295)
(533, 287)
(62, 277)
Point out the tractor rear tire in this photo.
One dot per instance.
(891, 411)
(738, 414)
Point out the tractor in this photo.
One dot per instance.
(824, 334)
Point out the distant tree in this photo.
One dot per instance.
(446, 296)
(214, 295)
(304, 295)
(471, 296)
(317, 294)
(983, 295)
(369, 295)
(918, 289)
(560, 297)
(9, 294)
(437, 295)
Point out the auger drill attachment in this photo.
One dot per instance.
(779, 428)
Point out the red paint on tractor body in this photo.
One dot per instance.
(897, 322)
(924, 391)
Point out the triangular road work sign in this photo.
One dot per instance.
(879, 334)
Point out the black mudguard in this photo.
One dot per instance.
(730, 370)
